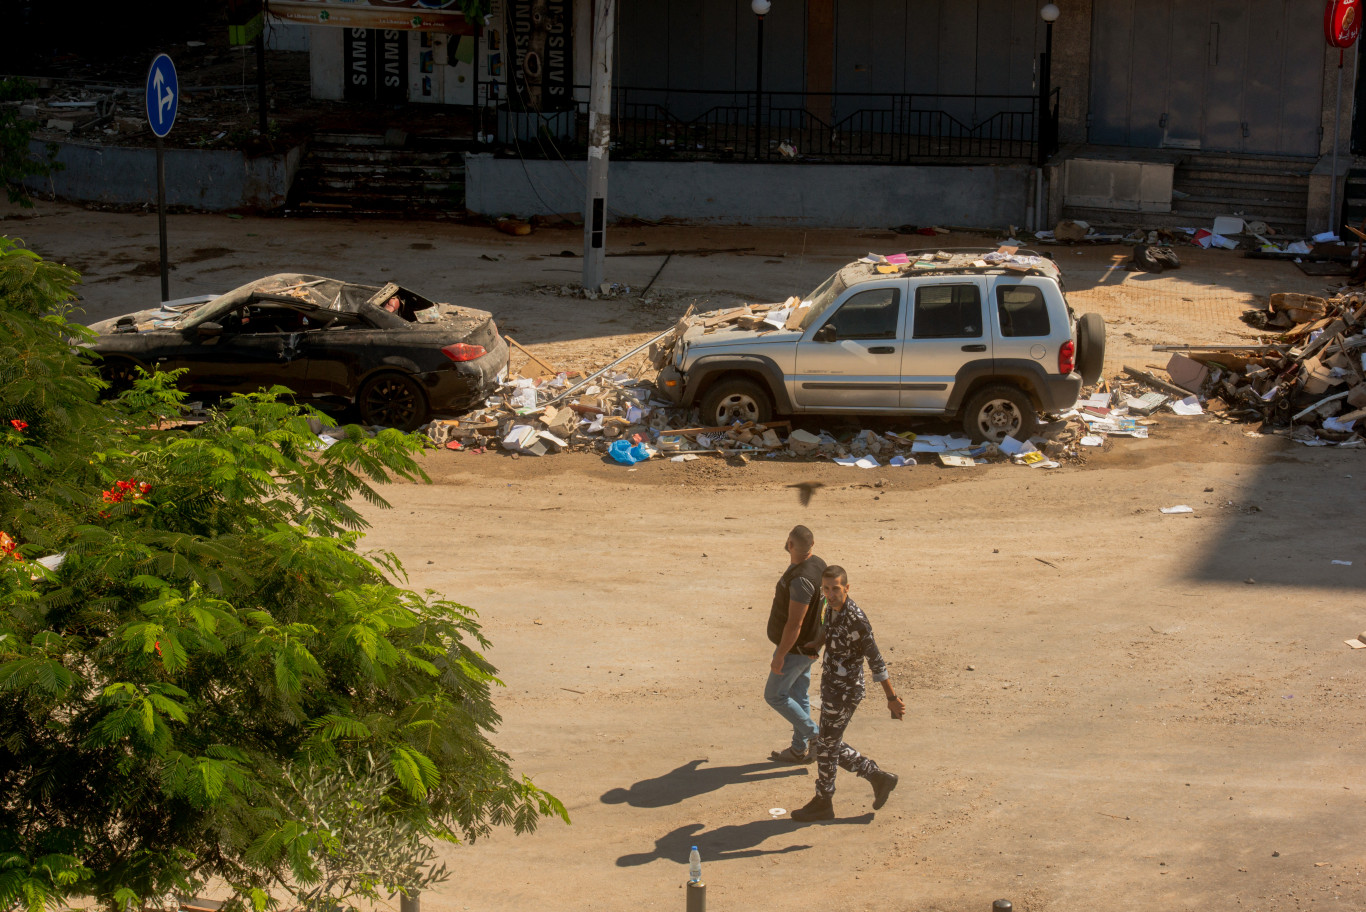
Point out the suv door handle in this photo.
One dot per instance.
(974, 348)
(882, 350)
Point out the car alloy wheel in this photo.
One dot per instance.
(120, 374)
(997, 412)
(736, 399)
(737, 407)
(999, 419)
(393, 400)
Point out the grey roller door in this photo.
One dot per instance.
(707, 46)
(968, 48)
(1220, 75)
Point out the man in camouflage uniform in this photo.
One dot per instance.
(848, 640)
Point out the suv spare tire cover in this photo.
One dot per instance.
(1090, 347)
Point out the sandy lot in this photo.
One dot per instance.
(1109, 707)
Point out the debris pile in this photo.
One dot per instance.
(78, 111)
(1306, 380)
(618, 412)
(1323, 254)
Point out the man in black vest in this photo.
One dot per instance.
(792, 620)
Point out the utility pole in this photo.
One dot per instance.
(599, 138)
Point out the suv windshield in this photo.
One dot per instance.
(822, 298)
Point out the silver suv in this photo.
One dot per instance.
(955, 337)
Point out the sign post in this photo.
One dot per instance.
(599, 143)
(163, 94)
(1342, 23)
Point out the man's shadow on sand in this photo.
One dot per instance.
(734, 841)
(688, 781)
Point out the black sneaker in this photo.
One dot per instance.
(882, 783)
(817, 808)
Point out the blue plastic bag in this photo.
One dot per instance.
(624, 453)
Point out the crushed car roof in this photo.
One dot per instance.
(310, 290)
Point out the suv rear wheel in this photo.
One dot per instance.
(994, 413)
(736, 399)
(1090, 347)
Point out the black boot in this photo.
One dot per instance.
(817, 808)
(882, 783)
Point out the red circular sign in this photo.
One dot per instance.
(1342, 22)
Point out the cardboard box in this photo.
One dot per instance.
(1186, 373)
(1318, 377)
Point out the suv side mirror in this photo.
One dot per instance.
(825, 334)
(208, 330)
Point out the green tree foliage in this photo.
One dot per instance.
(16, 160)
(216, 681)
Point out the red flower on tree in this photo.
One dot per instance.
(18, 425)
(8, 546)
(131, 488)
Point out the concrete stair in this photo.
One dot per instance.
(1271, 190)
(371, 175)
(1354, 198)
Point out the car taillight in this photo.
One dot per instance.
(1067, 357)
(463, 351)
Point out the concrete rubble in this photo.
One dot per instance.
(1303, 379)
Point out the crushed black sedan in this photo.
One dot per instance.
(395, 355)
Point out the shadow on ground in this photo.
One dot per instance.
(730, 842)
(689, 781)
(1286, 525)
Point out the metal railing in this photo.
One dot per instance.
(871, 127)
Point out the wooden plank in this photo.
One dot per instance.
(521, 348)
(1145, 377)
(725, 316)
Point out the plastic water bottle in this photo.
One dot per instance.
(694, 866)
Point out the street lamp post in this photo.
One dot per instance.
(760, 8)
(1049, 14)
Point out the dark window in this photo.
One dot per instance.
(257, 320)
(948, 312)
(1022, 310)
(869, 314)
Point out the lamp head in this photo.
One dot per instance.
(760, 7)
(1050, 13)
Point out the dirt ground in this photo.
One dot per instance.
(1108, 707)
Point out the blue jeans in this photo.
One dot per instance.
(787, 693)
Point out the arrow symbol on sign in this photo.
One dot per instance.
(163, 101)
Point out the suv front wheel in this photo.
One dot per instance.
(736, 399)
(997, 412)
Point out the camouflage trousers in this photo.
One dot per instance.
(837, 709)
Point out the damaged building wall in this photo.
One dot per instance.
(816, 196)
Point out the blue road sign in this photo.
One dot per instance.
(163, 94)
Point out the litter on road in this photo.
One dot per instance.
(1305, 379)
